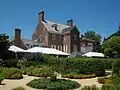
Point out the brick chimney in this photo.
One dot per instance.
(41, 16)
(70, 23)
(17, 36)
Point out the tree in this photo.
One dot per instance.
(112, 46)
(94, 36)
(4, 45)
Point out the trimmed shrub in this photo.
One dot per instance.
(25, 63)
(18, 88)
(116, 67)
(37, 72)
(87, 66)
(12, 73)
(93, 87)
(76, 65)
(78, 76)
(108, 87)
(1, 78)
(108, 62)
(58, 84)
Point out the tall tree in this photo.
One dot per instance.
(4, 45)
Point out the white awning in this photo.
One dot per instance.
(15, 49)
(93, 54)
(46, 51)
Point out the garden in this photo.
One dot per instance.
(48, 67)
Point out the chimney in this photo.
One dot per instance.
(70, 23)
(17, 36)
(41, 16)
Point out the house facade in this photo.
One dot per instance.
(64, 37)
(59, 36)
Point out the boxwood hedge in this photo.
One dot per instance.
(76, 65)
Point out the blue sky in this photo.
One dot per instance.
(102, 16)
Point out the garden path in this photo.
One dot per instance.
(9, 84)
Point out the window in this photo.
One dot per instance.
(75, 37)
(65, 48)
(61, 48)
(53, 37)
(53, 46)
(65, 37)
(60, 37)
(40, 39)
(74, 47)
(58, 47)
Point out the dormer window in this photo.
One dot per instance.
(55, 26)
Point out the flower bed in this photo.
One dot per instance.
(58, 84)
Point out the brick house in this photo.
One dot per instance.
(64, 37)
(54, 35)
(86, 45)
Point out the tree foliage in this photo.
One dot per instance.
(112, 46)
(4, 45)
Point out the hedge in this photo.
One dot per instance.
(12, 73)
(76, 65)
(116, 67)
(86, 67)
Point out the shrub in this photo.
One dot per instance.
(93, 87)
(9, 63)
(108, 62)
(116, 67)
(25, 63)
(38, 72)
(86, 66)
(76, 65)
(78, 76)
(108, 87)
(1, 78)
(59, 84)
(101, 80)
(53, 77)
(18, 88)
(12, 73)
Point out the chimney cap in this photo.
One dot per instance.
(69, 20)
(41, 12)
(17, 29)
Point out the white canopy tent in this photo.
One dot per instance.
(15, 49)
(38, 50)
(93, 54)
(46, 51)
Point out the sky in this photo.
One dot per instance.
(102, 16)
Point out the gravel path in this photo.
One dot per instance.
(9, 84)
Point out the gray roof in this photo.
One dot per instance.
(32, 42)
(49, 26)
(87, 39)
